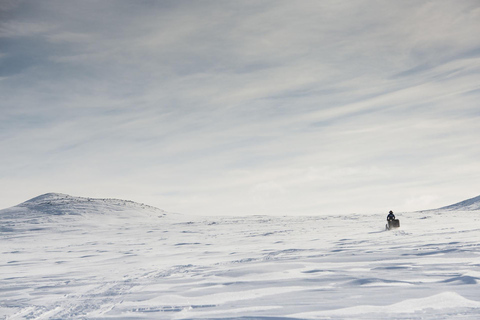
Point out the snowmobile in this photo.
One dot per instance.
(392, 224)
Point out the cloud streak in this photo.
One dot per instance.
(233, 108)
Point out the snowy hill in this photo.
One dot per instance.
(53, 204)
(65, 257)
(62, 204)
(466, 205)
(51, 210)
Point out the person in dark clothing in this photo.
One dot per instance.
(390, 216)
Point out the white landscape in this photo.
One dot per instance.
(65, 257)
(258, 147)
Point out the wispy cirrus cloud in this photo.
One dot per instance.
(251, 107)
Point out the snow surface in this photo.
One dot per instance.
(66, 257)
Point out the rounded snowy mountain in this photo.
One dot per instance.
(63, 204)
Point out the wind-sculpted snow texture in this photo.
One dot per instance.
(78, 258)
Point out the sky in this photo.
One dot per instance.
(242, 107)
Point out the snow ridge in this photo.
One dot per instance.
(466, 205)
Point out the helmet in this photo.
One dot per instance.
(391, 211)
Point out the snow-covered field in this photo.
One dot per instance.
(64, 257)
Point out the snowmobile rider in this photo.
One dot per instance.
(390, 216)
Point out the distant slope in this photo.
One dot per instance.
(466, 205)
(57, 204)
